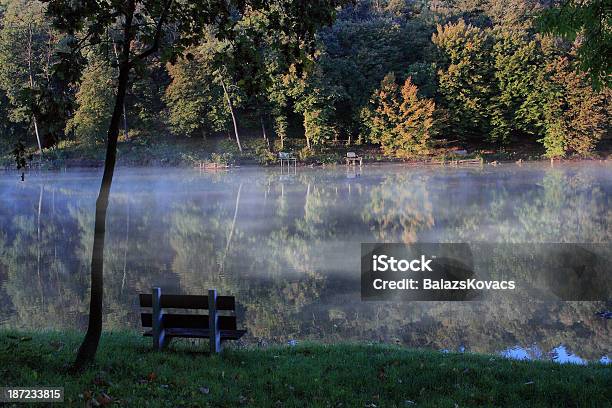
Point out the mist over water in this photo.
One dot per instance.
(288, 247)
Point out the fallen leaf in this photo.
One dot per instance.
(104, 399)
(152, 376)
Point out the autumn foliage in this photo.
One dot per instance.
(400, 121)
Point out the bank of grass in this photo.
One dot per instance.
(145, 149)
(128, 373)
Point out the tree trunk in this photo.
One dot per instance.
(88, 348)
(37, 135)
(31, 75)
(231, 108)
(125, 124)
(263, 131)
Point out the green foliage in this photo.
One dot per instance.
(517, 67)
(226, 152)
(354, 55)
(400, 121)
(590, 24)
(95, 100)
(195, 97)
(28, 46)
(318, 108)
(576, 116)
(465, 76)
(492, 77)
(262, 152)
(22, 56)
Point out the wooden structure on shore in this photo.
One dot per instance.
(286, 157)
(353, 159)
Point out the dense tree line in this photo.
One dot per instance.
(394, 73)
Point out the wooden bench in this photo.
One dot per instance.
(286, 157)
(352, 158)
(166, 326)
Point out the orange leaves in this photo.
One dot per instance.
(401, 121)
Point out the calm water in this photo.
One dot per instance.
(287, 245)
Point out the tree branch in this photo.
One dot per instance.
(158, 31)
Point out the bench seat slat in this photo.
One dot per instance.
(200, 333)
(188, 301)
(188, 321)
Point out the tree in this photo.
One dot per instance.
(144, 27)
(368, 40)
(575, 115)
(27, 44)
(517, 104)
(315, 100)
(466, 77)
(195, 99)
(590, 23)
(400, 121)
(95, 103)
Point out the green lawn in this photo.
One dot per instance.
(128, 373)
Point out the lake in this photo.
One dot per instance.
(287, 245)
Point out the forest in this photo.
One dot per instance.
(399, 76)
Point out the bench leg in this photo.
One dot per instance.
(213, 323)
(159, 334)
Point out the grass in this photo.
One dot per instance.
(128, 373)
(145, 149)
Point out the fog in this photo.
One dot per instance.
(288, 247)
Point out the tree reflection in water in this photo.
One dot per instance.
(288, 247)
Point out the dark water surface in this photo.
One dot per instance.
(288, 246)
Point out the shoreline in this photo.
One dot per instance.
(214, 155)
(434, 162)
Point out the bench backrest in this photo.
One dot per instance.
(351, 155)
(186, 320)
